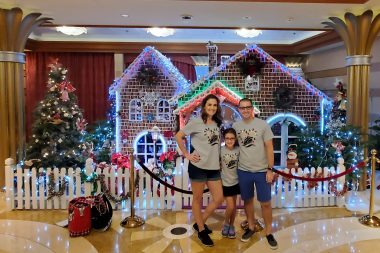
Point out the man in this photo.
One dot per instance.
(255, 168)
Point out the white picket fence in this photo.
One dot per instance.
(28, 188)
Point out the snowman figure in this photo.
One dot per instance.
(340, 168)
(292, 160)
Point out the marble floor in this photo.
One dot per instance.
(296, 230)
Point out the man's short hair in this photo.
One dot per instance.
(245, 100)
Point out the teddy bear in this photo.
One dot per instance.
(292, 160)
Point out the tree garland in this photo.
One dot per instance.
(313, 184)
(51, 187)
(283, 98)
(148, 75)
(332, 187)
(106, 191)
(93, 178)
(250, 65)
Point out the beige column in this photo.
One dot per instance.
(119, 64)
(358, 33)
(14, 31)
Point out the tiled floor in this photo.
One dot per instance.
(297, 230)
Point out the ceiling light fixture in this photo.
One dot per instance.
(71, 30)
(248, 33)
(161, 32)
(124, 15)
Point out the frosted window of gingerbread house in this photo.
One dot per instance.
(285, 132)
(135, 110)
(163, 110)
(146, 148)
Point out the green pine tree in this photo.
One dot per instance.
(59, 125)
(322, 149)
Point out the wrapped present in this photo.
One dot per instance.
(79, 217)
(101, 212)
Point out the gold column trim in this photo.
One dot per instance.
(356, 60)
(6, 56)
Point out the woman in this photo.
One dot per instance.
(204, 166)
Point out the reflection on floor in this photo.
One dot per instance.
(297, 230)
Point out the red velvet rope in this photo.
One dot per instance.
(361, 164)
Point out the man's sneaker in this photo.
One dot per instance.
(231, 232)
(225, 229)
(196, 228)
(247, 235)
(205, 238)
(272, 242)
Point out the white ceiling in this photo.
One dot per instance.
(300, 20)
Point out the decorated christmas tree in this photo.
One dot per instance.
(338, 140)
(59, 125)
(101, 136)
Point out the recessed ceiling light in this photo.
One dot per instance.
(71, 30)
(290, 19)
(248, 33)
(125, 15)
(161, 32)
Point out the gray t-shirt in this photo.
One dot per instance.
(229, 163)
(206, 141)
(251, 137)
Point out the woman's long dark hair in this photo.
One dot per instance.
(217, 117)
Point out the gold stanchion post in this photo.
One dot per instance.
(133, 220)
(371, 220)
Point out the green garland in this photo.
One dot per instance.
(250, 65)
(93, 178)
(51, 187)
(148, 75)
(283, 98)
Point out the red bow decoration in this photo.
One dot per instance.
(54, 63)
(66, 88)
(81, 124)
(120, 160)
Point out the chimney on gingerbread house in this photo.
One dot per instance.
(212, 50)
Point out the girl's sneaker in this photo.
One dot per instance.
(225, 230)
(231, 232)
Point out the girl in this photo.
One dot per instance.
(204, 167)
(229, 163)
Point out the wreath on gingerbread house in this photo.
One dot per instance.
(148, 75)
(283, 98)
(250, 65)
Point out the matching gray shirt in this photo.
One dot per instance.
(205, 138)
(229, 163)
(251, 136)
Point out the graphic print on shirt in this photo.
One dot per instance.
(212, 136)
(230, 160)
(247, 137)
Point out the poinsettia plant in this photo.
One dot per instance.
(122, 161)
(167, 161)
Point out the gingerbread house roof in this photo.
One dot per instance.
(241, 54)
(161, 61)
(217, 87)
